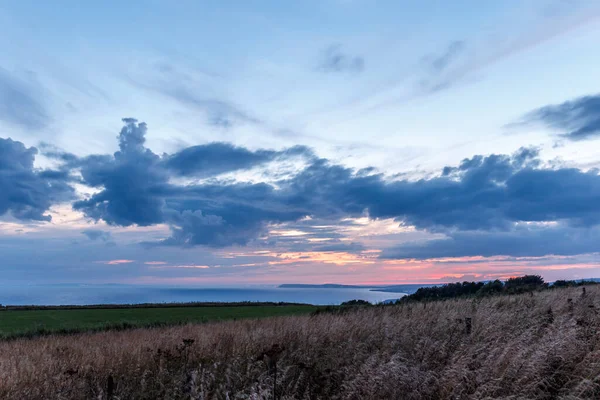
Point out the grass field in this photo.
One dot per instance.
(539, 346)
(19, 323)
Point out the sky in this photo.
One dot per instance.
(232, 143)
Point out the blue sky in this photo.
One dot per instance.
(351, 141)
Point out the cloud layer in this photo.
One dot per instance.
(522, 241)
(486, 205)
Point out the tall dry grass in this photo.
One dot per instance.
(521, 347)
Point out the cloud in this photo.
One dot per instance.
(442, 70)
(439, 62)
(51, 151)
(489, 194)
(475, 195)
(577, 119)
(464, 61)
(20, 102)
(116, 262)
(193, 266)
(338, 246)
(217, 158)
(97, 234)
(219, 112)
(335, 60)
(186, 90)
(26, 192)
(523, 241)
(134, 187)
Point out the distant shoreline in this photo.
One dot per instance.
(147, 297)
(405, 289)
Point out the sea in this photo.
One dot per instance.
(70, 294)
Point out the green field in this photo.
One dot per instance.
(23, 323)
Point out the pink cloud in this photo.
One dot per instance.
(181, 266)
(365, 267)
(116, 262)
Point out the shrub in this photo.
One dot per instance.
(525, 283)
(356, 303)
(491, 287)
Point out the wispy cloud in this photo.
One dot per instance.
(577, 119)
(185, 89)
(340, 258)
(334, 59)
(442, 61)
(191, 266)
(116, 262)
(455, 65)
(438, 71)
(21, 101)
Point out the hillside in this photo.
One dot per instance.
(527, 346)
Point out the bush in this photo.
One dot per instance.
(447, 291)
(525, 283)
(491, 287)
(521, 284)
(356, 303)
(563, 283)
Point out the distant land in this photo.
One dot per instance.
(324, 286)
(409, 288)
(406, 288)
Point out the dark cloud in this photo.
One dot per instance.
(223, 214)
(26, 192)
(134, 187)
(191, 228)
(566, 194)
(217, 158)
(51, 151)
(20, 102)
(522, 241)
(487, 194)
(335, 60)
(475, 195)
(577, 119)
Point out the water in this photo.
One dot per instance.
(125, 294)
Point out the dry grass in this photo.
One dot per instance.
(521, 347)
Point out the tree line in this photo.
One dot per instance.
(516, 285)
